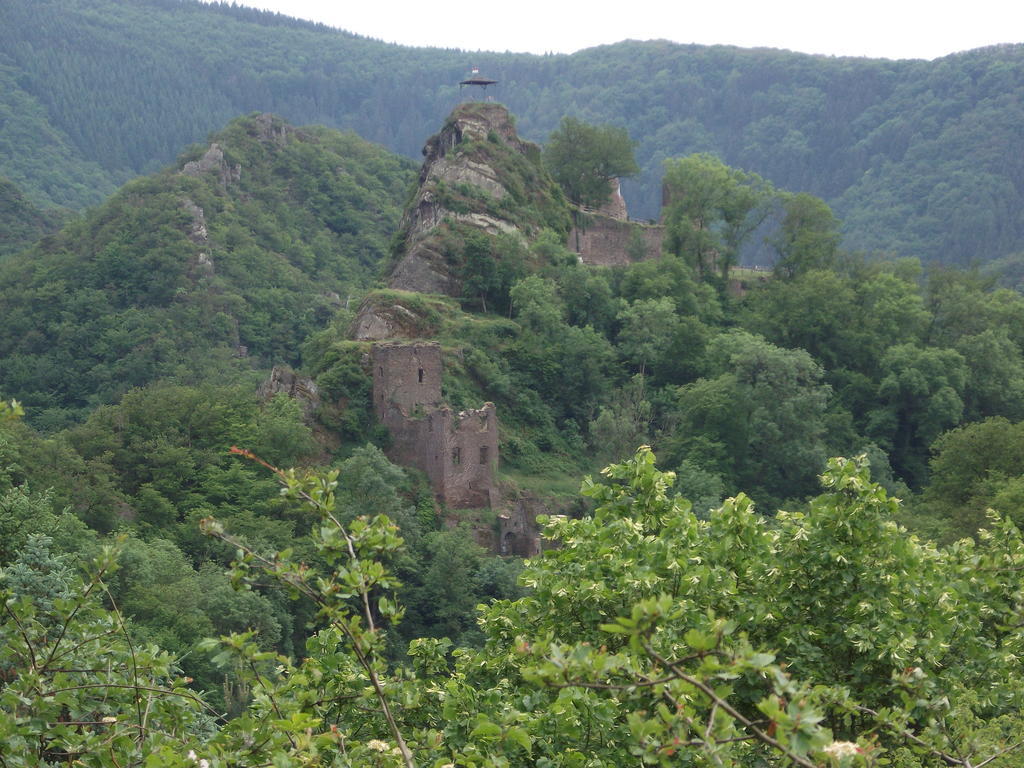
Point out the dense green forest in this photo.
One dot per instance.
(649, 635)
(187, 275)
(198, 571)
(917, 158)
(21, 222)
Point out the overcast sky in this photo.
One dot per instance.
(896, 29)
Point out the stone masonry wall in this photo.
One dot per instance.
(605, 241)
(615, 207)
(470, 455)
(517, 529)
(406, 377)
(457, 451)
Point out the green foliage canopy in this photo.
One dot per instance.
(584, 159)
(823, 637)
(711, 210)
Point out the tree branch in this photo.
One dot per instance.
(708, 691)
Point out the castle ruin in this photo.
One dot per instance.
(457, 451)
(610, 239)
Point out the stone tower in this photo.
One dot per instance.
(406, 378)
(457, 451)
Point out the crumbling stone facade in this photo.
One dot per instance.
(406, 378)
(517, 529)
(614, 207)
(457, 451)
(605, 241)
(608, 238)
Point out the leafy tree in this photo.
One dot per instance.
(588, 298)
(973, 468)
(995, 383)
(624, 423)
(647, 328)
(25, 514)
(817, 311)
(679, 674)
(760, 422)
(711, 210)
(844, 321)
(538, 306)
(173, 605)
(705, 489)
(441, 595)
(808, 237)
(490, 266)
(38, 574)
(920, 396)
(670, 277)
(824, 637)
(572, 366)
(280, 432)
(73, 683)
(584, 159)
(962, 303)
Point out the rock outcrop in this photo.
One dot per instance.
(213, 160)
(398, 315)
(284, 380)
(477, 176)
(201, 265)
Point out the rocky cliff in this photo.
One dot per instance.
(478, 176)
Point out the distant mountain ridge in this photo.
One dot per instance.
(918, 158)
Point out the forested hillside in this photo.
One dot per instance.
(226, 261)
(173, 595)
(917, 158)
(21, 222)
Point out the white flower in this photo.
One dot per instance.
(378, 745)
(192, 756)
(841, 749)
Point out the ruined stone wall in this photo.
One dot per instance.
(457, 451)
(406, 377)
(517, 529)
(432, 448)
(615, 207)
(408, 436)
(605, 241)
(469, 457)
